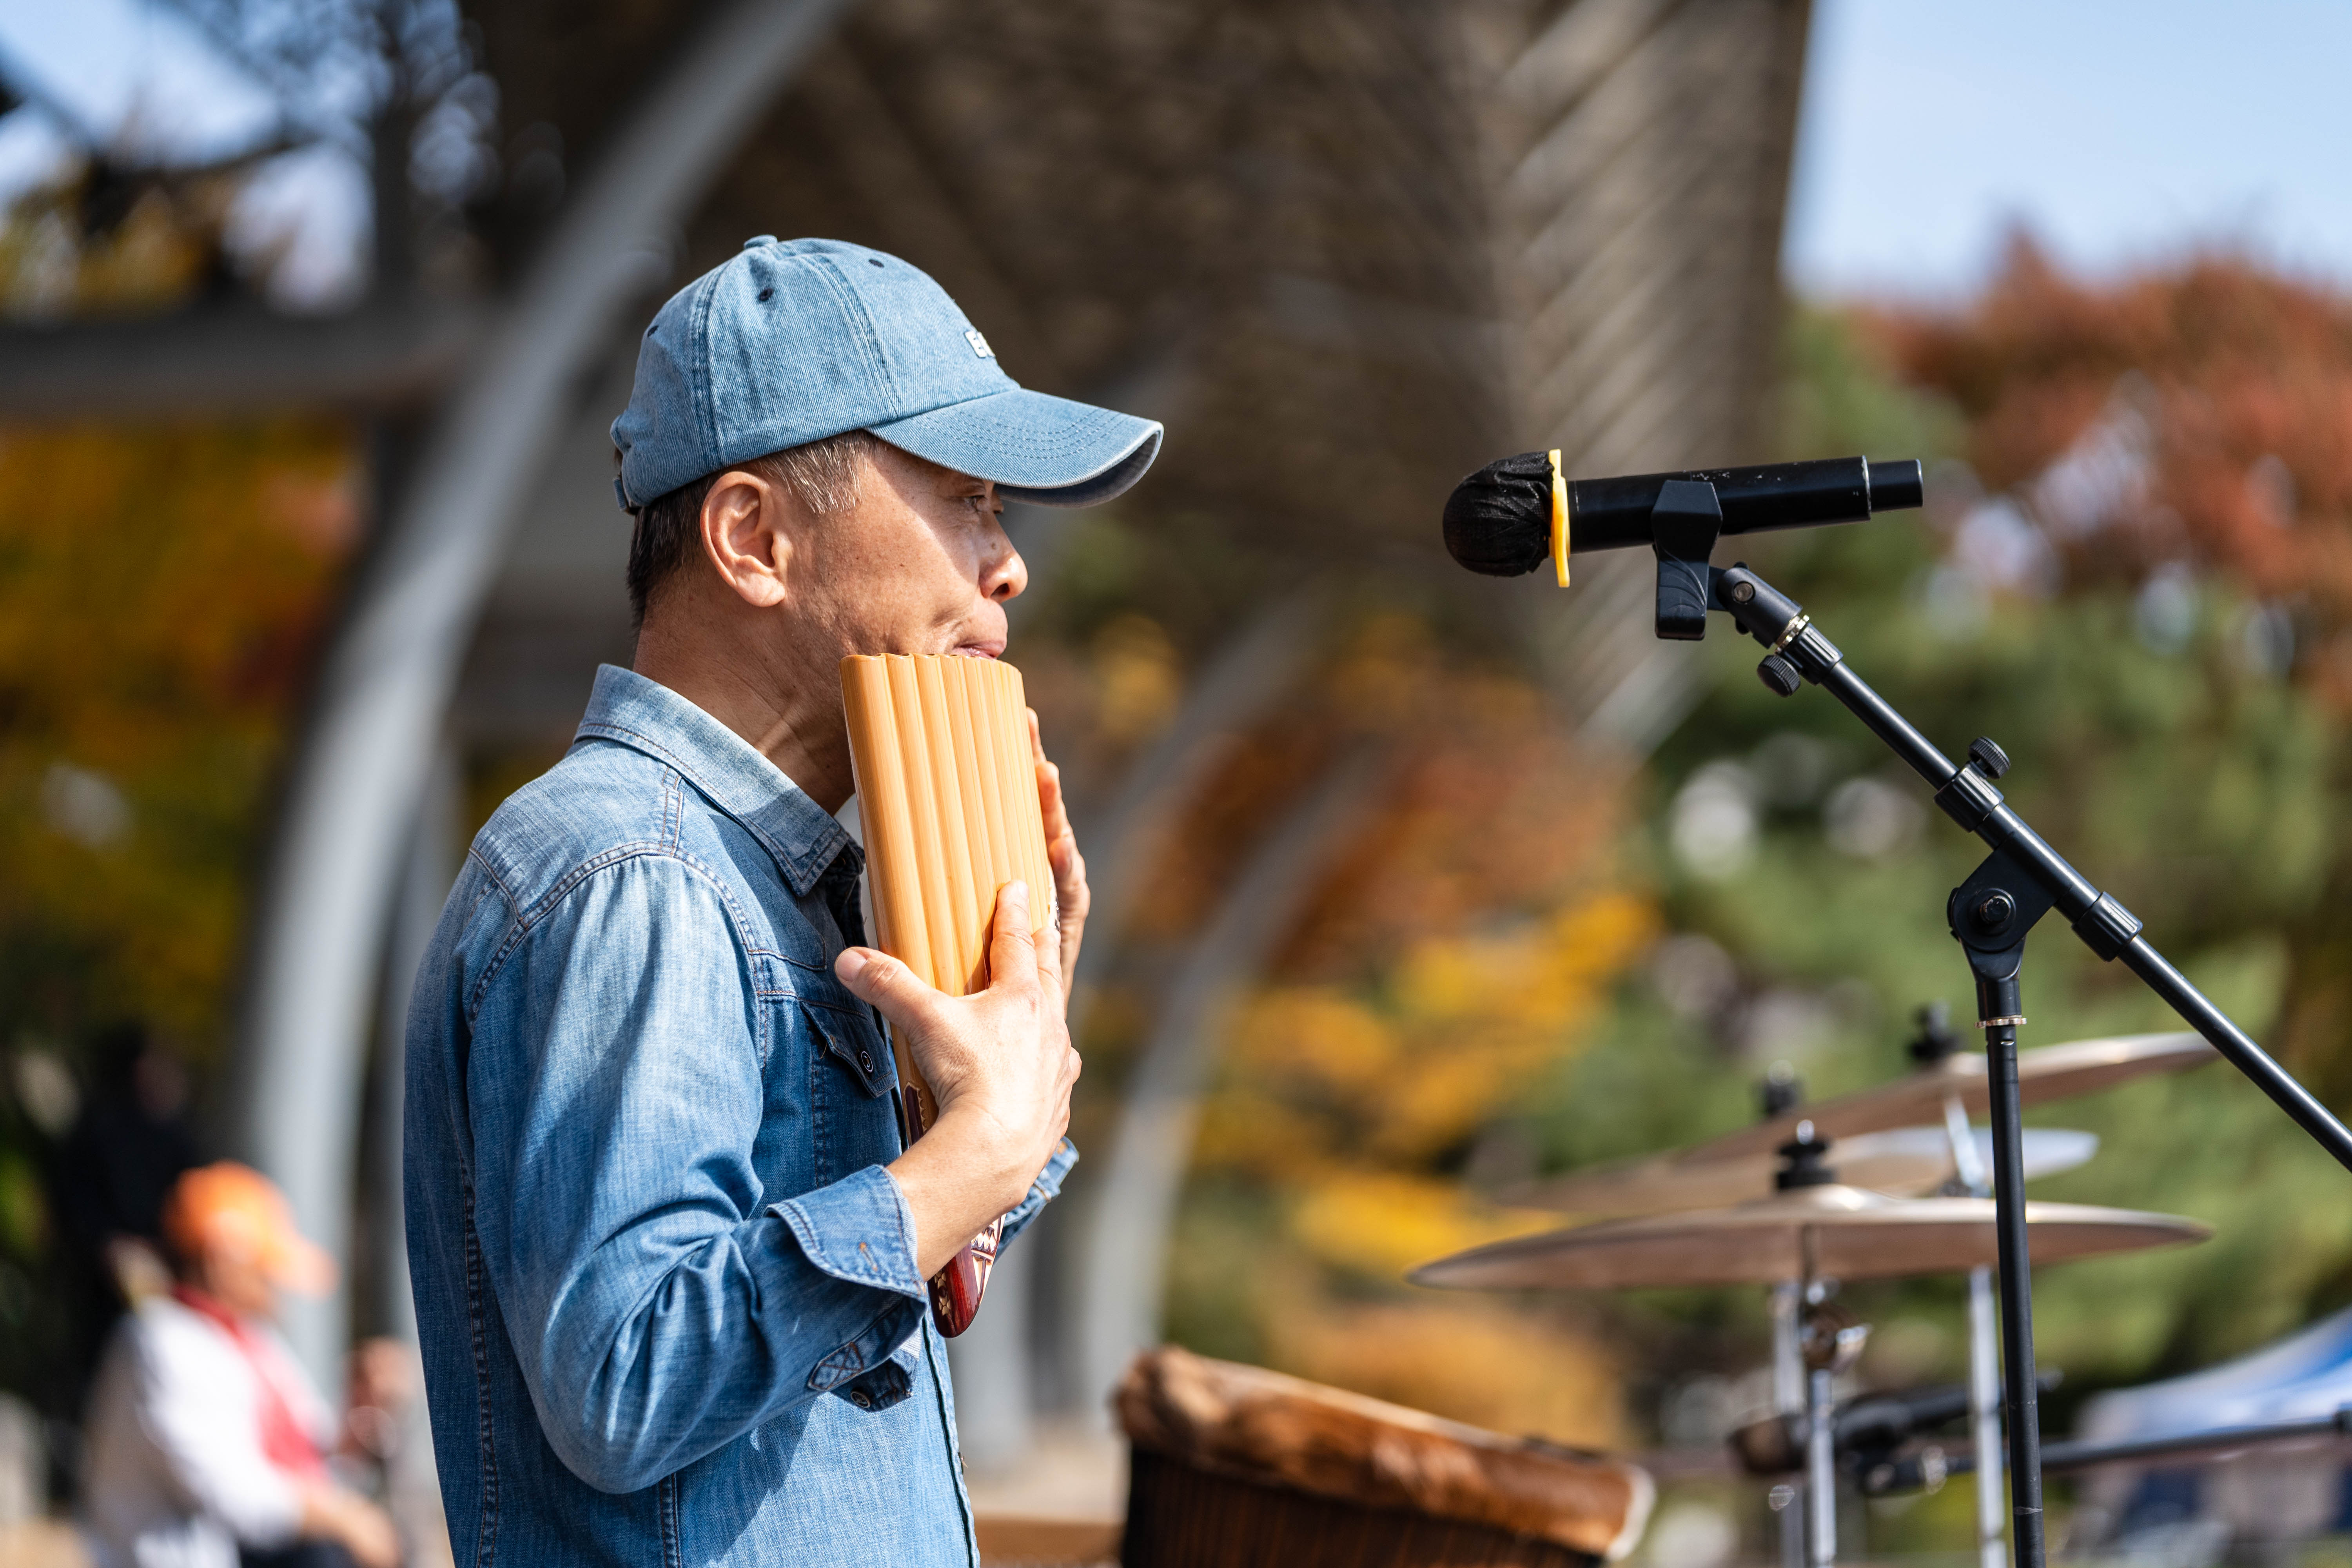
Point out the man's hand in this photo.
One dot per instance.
(1000, 1065)
(378, 1382)
(1071, 894)
(333, 1513)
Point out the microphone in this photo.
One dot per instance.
(1499, 520)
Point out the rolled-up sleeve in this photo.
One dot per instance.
(658, 1305)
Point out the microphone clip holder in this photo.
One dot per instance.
(1685, 524)
(1990, 915)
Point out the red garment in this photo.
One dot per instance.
(285, 1443)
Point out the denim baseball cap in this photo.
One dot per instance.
(794, 341)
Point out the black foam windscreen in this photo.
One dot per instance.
(1498, 520)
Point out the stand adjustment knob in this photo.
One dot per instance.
(1989, 759)
(1780, 676)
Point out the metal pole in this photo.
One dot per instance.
(2215, 1441)
(1998, 999)
(1788, 1399)
(1984, 1356)
(1820, 1468)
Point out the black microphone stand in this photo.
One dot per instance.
(1990, 915)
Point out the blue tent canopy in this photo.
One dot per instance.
(2307, 1375)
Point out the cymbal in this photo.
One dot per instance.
(1825, 1232)
(1902, 1161)
(2047, 1073)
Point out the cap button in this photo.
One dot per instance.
(757, 240)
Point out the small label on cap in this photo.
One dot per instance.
(979, 344)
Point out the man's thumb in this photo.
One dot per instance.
(876, 977)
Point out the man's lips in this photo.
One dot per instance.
(994, 650)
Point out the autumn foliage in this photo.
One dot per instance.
(161, 592)
(2230, 390)
(1466, 933)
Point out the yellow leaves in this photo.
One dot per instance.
(1540, 976)
(1382, 1223)
(1401, 1075)
(1320, 1035)
(1467, 1360)
(1138, 679)
(1264, 1135)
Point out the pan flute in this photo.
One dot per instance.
(947, 795)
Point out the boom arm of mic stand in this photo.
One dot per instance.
(1968, 796)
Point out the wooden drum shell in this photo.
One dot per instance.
(1236, 1466)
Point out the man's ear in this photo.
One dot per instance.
(744, 538)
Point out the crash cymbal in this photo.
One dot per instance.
(2047, 1073)
(1902, 1161)
(1825, 1232)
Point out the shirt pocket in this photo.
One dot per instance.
(854, 1044)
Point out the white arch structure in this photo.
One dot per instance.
(386, 683)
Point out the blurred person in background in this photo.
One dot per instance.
(207, 1444)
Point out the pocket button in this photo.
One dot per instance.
(866, 1059)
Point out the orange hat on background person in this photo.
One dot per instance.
(229, 1206)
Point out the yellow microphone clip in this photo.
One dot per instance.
(1558, 519)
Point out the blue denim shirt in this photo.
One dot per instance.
(666, 1290)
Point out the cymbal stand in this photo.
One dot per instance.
(1788, 1400)
(1831, 1341)
(1984, 1354)
(1990, 914)
(1780, 1092)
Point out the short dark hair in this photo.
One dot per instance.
(822, 476)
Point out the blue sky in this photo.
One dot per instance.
(2120, 133)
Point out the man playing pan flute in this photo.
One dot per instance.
(669, 1253)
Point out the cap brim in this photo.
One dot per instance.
(1045, 450)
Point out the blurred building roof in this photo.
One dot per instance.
(1346, 251)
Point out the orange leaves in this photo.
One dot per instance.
(153, 575)
(2243, 378)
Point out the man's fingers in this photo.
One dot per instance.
(1070, 878)
(1050, 798)
(882, 980)
(1047, 944)
(1008, 936)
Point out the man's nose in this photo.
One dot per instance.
(1007, 575)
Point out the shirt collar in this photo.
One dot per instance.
(801, 836)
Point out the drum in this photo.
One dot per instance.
(1239, 1467)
